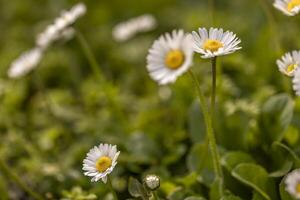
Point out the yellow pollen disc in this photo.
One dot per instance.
(174, 59)
(103, 163)
(212, 45)
(292, 4)
(291, 68)
(298, 188)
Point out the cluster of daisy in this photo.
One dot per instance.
(60, 29)
(126, 30)
(288, 64)
(171, 54)
(288, 7)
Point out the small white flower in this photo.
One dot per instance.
(55, 31)
(296, 82)
(170, 56)
(126, 30)
(215, 42)
(25, 63)
(292, 182)
(288, 7)
(100, 161)
(289, 62)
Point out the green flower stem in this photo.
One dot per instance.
(155, 195)
(89, 55)
(111, 188)
(273, 24)
(105, 84)
(18, 181)
(209, 129)
(214, 83)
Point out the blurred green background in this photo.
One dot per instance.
(50, 118)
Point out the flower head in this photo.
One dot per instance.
(288, 7)
(215, 42)
(126, 30)
(100, 161)
(56, 30)
(292, 183)
(170, 56)
(25, 63)
(289, 62)
(152, 181)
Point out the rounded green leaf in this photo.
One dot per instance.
(231, 159)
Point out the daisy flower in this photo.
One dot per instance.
(288, 7)
(25, 63)
(126, 30)
(215, 42)
(170, 56)
(56, 30)
(100, 162)
(292, 182)
(296, 82)
(289, 62)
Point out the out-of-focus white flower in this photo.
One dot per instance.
(126, 30)
(289, 62)
(25, 63)
(215, 42)
(170, 56)
(292, 182)
(100, 161)
(56, 30)
(288, 7)
(296, 82)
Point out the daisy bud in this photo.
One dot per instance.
(152, 182)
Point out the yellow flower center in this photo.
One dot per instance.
(298, 188)
(291, 68)
(103, 163)
(174, 59)
(292, 4)
(212, 45)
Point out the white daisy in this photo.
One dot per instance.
(100, 161)
(170, 56)
(288, 7)
(55, 31)
(215, 42)
(126, 30)
(25, 63)
(296, 82)
(289, 62)
(292, 182)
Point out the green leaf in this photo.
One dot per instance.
(289, 150)
(136, 189)
(231, 159)
(194, 198)
(284, 195)
(199, 160)
(276, 116)
(216, 190)
(257, 178)
(196, 123)
(231, 197)
(285, 168)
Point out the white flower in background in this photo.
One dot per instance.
(289, 62)
(100, 161)
(126, 30)
(292, 182)
(56, 30)
(170, 56)
(288, 7)
(215, 42)
(25, 63)
(296, 82)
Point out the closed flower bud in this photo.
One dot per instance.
(152, 182)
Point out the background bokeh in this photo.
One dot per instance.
(50, 118)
